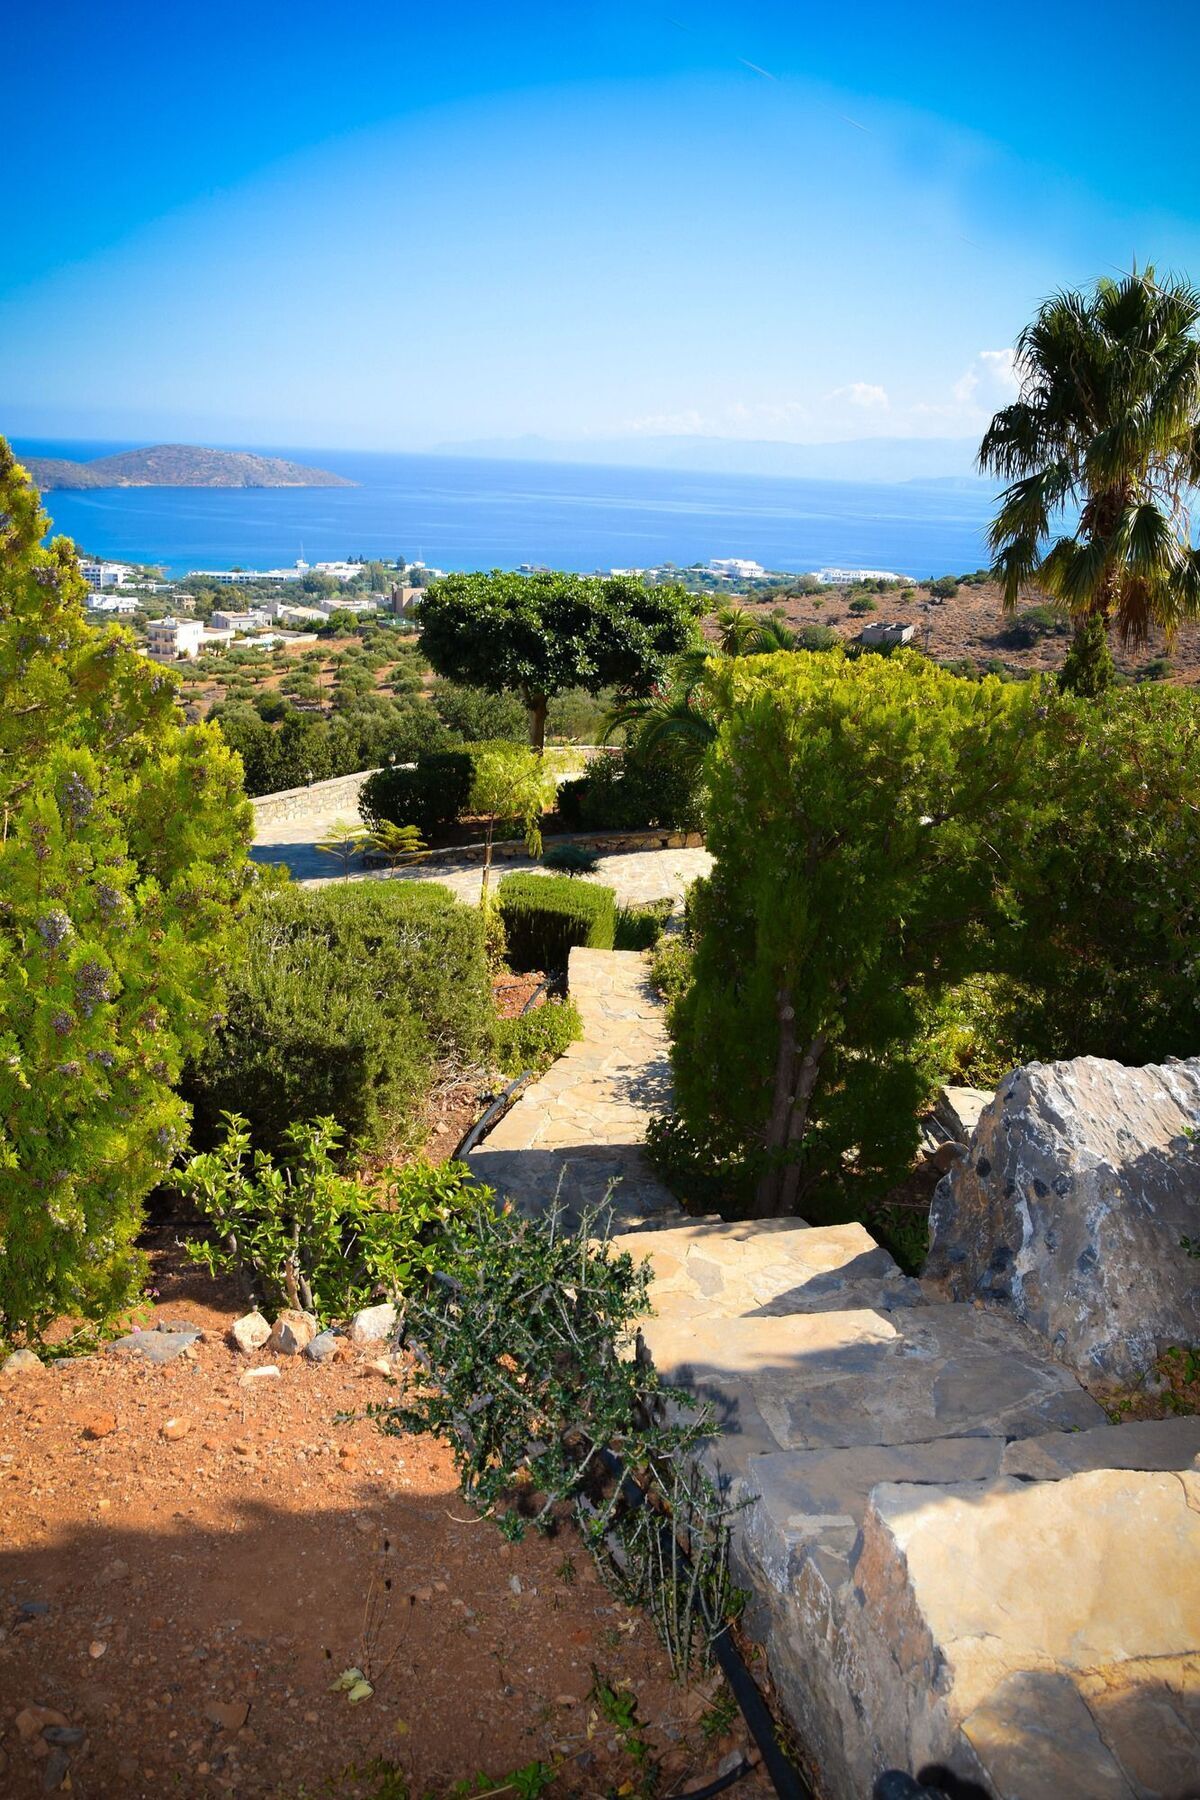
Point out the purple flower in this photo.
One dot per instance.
(54, 929)
(91, 986)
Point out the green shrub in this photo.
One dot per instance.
(1032, 625)
(863, 604)
(630, 792)
(537, 1038)
(640, 927)
(432, 795)
(816, 637)
(671, 968)
(546, 916)
(303, 1235)
(571, 859)
(341, 1003)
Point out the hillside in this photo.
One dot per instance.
(179, 465)
(972, 626)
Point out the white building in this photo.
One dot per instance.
(112, 603)
(239, 577)
(737, 566)
(169, 639)
(337, 603)
(888, 636)
(100, 575)
(241, 621)
(339, 571)
(848, 577)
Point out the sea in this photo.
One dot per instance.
(459, 512)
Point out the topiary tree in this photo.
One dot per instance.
(123, 832)
(539, 635)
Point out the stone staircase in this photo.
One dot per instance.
(952, 1558)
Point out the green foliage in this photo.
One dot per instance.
(526, 1341)
(342, 1002)
(474, 713)
(671, 967)
(397, 845)
(546, 916)
(432, 796)
(535, 1039)
(542, 634)
(509, 783)
(571, 859)
(1088, 670)
(796, 1038)
(300, 1234)
(1033, 624)
(123, 840)
(817, 637)
(634, 791)
(945, 587)
(303, 747)
(917, 876)
(1104, 434)
(344, 841)
(641, 927)
(862, 603)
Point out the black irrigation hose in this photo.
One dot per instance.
(721, 1783)
(541, 987)
(786, 1779)
(494, 1111)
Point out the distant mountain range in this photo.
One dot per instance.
(882, 459)
(179, 465)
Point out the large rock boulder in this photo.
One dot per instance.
(1068, 1212)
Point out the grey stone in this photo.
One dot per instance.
(156, 1347)
(373, 1324)
(1137, 1444)
(834, 1380)
(55, 1770)
(22, 1362)
(323, 1346)
(958, 1110)
(1037, 1740)
(250, 1332)
(1069, 1211)
(67, 1735)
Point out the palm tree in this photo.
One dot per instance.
(1107, 427)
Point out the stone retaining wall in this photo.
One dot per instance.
(293, 803)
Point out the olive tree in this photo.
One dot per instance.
(123, 832)
(539, 635)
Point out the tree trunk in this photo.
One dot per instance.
(487, 862)
(795, 1079)
(537, 704)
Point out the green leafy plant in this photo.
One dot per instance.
(542, 634)
(430, 796)
(344, 841)
(509, 782)
(524, 1341)
(298, 1233)
(535, 1039)
(641, 927)
(571, 859)
(123, 834)
(546, 916)
(343, 1001)
(398, 845)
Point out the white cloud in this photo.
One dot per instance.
(864, 394)
(990, 381)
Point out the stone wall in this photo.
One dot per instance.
(341, 791)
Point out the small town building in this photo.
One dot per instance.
(167, 640)
(887, 636)
(102, 575)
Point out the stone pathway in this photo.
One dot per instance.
(580, 1128)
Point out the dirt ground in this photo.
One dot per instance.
(187, 1563)
(972, 623)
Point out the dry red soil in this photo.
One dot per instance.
(972, 625)
(187, 1564)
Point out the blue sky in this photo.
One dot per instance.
(389, 226)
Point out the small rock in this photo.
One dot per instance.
(34, 1609)
(249, 1333)
(96, 1649)
(374, 1324)
(31, 1721)
(323, 1348)
(946, 1156)
(227, 1715)
(117, 1570)
(379, 1365)
(66, 1735)
(22, 1362)
(174, 1429)
(514, 1582)
(99, 1425)
(291, 1333)
(264, 1372)
(157, 1347)
(55, 1771)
